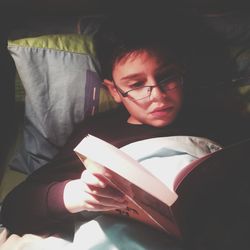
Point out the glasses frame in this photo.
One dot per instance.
(159, 85)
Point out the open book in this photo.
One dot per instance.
(193, 177)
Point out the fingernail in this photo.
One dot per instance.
(102, 184)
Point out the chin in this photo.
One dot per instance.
(161, 123)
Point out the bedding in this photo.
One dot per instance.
(62, 86)
(109, 233)
(118, 234)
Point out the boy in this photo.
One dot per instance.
(147, 73)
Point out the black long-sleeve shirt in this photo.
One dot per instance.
(36, 205)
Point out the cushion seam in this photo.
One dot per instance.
(41, 48)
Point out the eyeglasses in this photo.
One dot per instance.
(167, 84)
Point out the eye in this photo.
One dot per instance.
(170, 82)
(136, 85)
(171, 85)
(164, 79)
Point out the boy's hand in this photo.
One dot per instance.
(92, 192)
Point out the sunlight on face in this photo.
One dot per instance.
(144, 69)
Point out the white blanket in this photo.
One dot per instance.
(102, 233)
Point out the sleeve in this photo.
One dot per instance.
(36, 205)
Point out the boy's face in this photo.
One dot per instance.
(158, 109)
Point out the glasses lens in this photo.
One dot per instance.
(140, 93)
(171, 83)
(167, 84)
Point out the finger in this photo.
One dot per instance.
(90, 179)
(108, 192)
(100, 207)
(93, 202)
(96, 168)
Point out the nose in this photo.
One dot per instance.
(157, 93)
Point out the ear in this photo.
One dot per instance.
(112, 90)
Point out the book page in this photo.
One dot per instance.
(121, 163)
(169, 157)
(141, 206)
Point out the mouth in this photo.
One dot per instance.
(162, 111)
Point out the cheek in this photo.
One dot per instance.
(131, 107)
(177, 98)
(134, 109)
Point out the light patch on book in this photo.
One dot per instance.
(94, 94)
(93, 110)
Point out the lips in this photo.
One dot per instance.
(162, 111)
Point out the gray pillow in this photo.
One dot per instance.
(62, 86)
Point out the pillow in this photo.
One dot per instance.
(62, 86)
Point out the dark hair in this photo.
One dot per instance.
(119, 36)
(182, 38)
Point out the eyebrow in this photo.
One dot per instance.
(131, 76)
(169, 68)
(164, 68)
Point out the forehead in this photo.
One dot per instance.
(134, 62)
(140, 62)
(137, 55)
